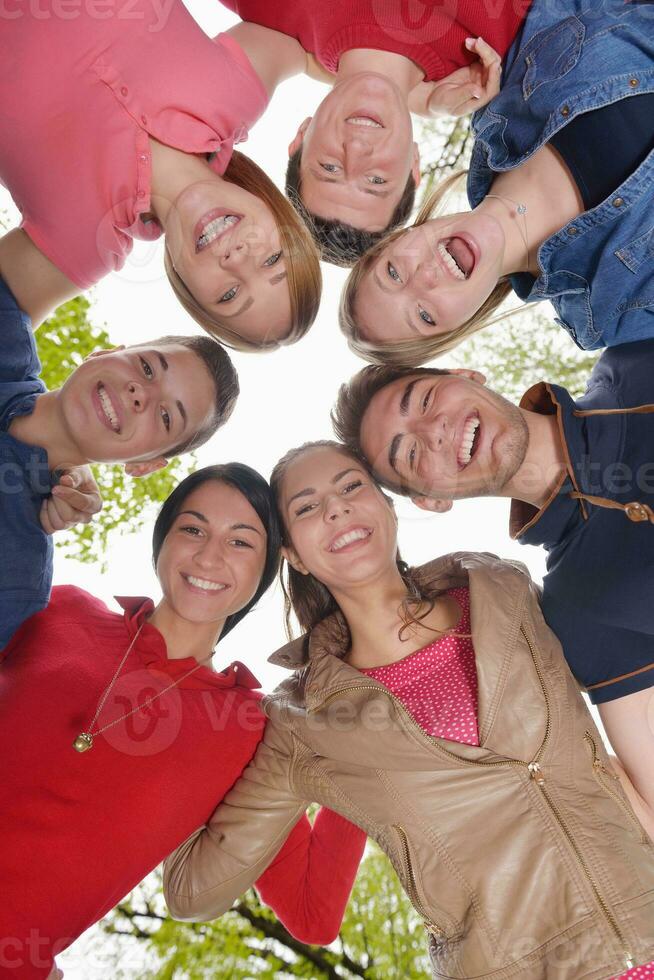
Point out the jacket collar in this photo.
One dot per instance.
(498, 593)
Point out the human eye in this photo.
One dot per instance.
(147, 370)
(166, 419)
(354, 485)
(240, 543)
(304, 509)
(191, 529)
(411, 458)
(273, 259)
(392, 272)
(229, 295)
(376, 179)
(331, 168)
(425, 317)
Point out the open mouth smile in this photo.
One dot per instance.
(213, 226)
(470, 439)
(457, 257)
(350, 538)
(364, 119)
(108, 411)
(206, 585)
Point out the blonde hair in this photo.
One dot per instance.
(302, 264)
(413, 351)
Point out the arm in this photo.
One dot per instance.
(38, 285)
(464, 90)
(274, 56)
(308, 885)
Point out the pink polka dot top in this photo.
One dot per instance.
(438, 684)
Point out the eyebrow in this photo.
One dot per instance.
(308, 491)
(277, 278)
(162, 360)
(393, 450)
(246, 306)
(406, 397)
(234, 527)
(182, 412)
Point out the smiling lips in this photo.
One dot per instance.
(212, 226)
(109, 409)
(364, 119)
(349, 537)
(469, 441)
(205, 584)
(457, 256)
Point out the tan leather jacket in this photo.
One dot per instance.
(522, 855)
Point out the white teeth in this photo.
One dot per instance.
(356, 535)
(108, 408)
(449, 262)
(364, 121)
(215, 228)
(203, 583)
(467, 439)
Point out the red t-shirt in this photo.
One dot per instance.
(79, 831)
(429, 32)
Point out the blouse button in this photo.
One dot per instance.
(141, 194)
(565, 110)
(144, 120)
(124, 91)
(633, 82)
(618, 202)
(636, 512)
(143, 157)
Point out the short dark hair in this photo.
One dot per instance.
(256, 491)
(340, 243)
(223, 374)
(354, 397)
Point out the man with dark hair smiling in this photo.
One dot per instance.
(581, 477)
(137, 405)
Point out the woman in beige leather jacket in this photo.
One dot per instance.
(521, 851)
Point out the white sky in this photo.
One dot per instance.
(285, 399)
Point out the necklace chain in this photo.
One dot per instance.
(84, 740)
(520, 209)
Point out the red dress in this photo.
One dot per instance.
(79, 831)
(438, 686)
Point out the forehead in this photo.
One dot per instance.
(347, 202)
(222, 505)
(315, 468)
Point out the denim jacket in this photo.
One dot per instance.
(574, 56)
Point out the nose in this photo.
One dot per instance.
(234, 256)
(210, 554)
(425, 274)
(139, 396)
(335, 507)
(437, 433)
(357, 150)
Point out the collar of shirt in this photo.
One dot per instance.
(560, 513)
(151, 648)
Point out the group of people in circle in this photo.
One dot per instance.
(436, 710)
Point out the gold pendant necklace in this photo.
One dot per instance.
(84, 740)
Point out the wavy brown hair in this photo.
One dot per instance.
(302, 264)
(413, 351)
(305, 596)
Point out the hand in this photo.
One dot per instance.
(74, 500)
(464, 90)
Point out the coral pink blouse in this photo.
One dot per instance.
(81, 89)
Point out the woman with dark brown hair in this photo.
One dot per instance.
(434, 708)
(126, 130)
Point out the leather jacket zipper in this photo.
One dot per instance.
(535, 771)
(437, 931)
(604, 777)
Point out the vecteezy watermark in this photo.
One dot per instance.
(155, 12)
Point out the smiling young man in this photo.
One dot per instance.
(354, 165)
(580, 474)
(137, 405)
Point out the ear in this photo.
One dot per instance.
(145, 467)
(298, 139)
(291, 557)
(434, 504)
(108, 350)
(415, 166)
(470, 375)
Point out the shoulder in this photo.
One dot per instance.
(623, 375)
(72, 602)
(456, 569)
(19, 360)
